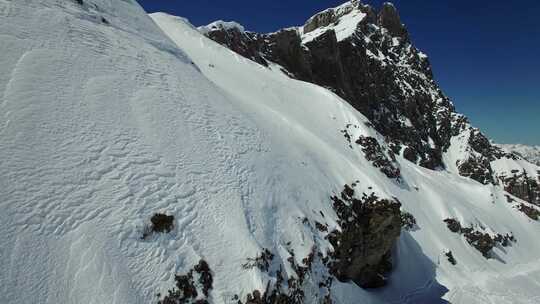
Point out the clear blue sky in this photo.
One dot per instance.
(485, 53)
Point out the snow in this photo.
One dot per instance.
(530, 153)
(344, 27)
(506, 166)
(220, 24)
(105, 124)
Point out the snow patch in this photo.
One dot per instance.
(221, 25)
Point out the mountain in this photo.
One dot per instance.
(143, 162)
(530, 153)
(368, 59)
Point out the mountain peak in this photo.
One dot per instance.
(389, 18)
(221, 25)
(330, 16)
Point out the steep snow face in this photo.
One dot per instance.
(105, 121)
(303, 117)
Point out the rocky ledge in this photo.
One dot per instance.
(370, 227)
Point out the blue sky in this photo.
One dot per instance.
(485, 54)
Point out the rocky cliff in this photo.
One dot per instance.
(366, 57)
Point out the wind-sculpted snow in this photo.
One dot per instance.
(106, 122)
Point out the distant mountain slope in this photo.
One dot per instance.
(530, 153)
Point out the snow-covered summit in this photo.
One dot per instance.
(221, 25)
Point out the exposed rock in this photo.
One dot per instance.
(531, 212)
(373, 70)
(523, 186)
(481, 241)
(285, 48)
(480, 144)
(389, 19)
(292, 290)
(245, 44)
(408, 222)
(369, 228)
(375, 154)
(160, 223)
(477, 168)
(453, 224)
(451, 258)
(262, 261)
(190, 286)
(321, 227)
(380, 73)
(205, 276)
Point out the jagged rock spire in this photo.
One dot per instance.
(389, 19)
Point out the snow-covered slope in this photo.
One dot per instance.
(423, 274)
(106, 121)
(530, 153)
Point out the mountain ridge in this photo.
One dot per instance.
(375, 66)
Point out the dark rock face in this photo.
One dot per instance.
(285, 48)
(375, 154)
(329, 16)
(381, 74)
(477, 168)
(262, 261)
(190, 286)
(369, 228)
(481, 241)
(244, 44)
(478, 165)
(377, 70)
(531, 212)
(450, 257)
(291, 289)
(160, 223)
(408, 222)
(389, 19)
(523, 186)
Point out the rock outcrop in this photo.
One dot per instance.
(378, 71)
(370, 227)
(479, 239)
(390, 20)
(377, 156)
(523, 186)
